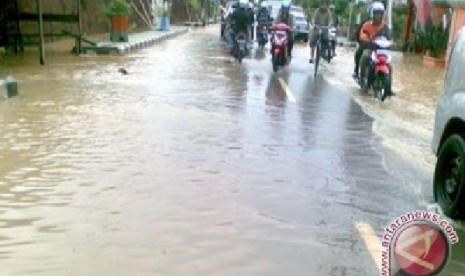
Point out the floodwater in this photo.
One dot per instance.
(404, 122)
(194, 165)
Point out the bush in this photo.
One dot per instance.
(399, 18)
(117, 7)
(434, 39)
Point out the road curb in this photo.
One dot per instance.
(151, 41)
(128, 47)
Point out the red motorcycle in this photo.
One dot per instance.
(377, 74)
(279, 44)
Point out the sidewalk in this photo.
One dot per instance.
(136, 41)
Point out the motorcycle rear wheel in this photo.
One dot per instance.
(274, 61)
(381, 86)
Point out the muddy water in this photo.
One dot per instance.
(82, 148)
(167, 171)
(404, 122)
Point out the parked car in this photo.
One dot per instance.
(301, 24)
(449, 135)
(297, 9)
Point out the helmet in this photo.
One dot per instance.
(377, 11)
(264, 4)
(332, 7)
(250, 5)
(377, 7)
(285, 4)
(243, 3)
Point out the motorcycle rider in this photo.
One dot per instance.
(370, 30)
(240, 20)
(263, 15)
(321, 17)
(251, 20)
(285, 16)
(228, 31)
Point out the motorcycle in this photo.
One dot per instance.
(377, 74)
(262, 33)
(240, 47)
(279, 44)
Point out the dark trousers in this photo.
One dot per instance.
(357, 56)
(290, 45)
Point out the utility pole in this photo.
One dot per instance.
(41, 32)
(389, 8)
(350, 20)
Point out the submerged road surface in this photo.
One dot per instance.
(191, 165)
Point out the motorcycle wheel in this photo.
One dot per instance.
(240, 55)
(274, 62)
(380, 86)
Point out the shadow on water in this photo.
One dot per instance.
(308, 105)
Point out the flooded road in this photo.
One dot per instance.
(193, 165)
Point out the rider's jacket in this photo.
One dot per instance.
(289, 20)
(240, 20)
(263, 17)
(322, 17)
(370, 31)
(251, 16)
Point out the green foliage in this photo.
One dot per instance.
(434, 39)
(117, 7)
(399, 17)
(194, 4)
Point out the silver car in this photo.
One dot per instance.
(302, 26)
(449, 135)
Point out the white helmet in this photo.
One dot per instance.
(250, 5)
(377, 6)
(243, 3)
(264, 4)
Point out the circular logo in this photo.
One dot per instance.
(421, 249)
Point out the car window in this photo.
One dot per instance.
(296, 9)
(454, 77)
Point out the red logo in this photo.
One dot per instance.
(421, 249)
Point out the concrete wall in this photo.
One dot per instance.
(93, 21)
